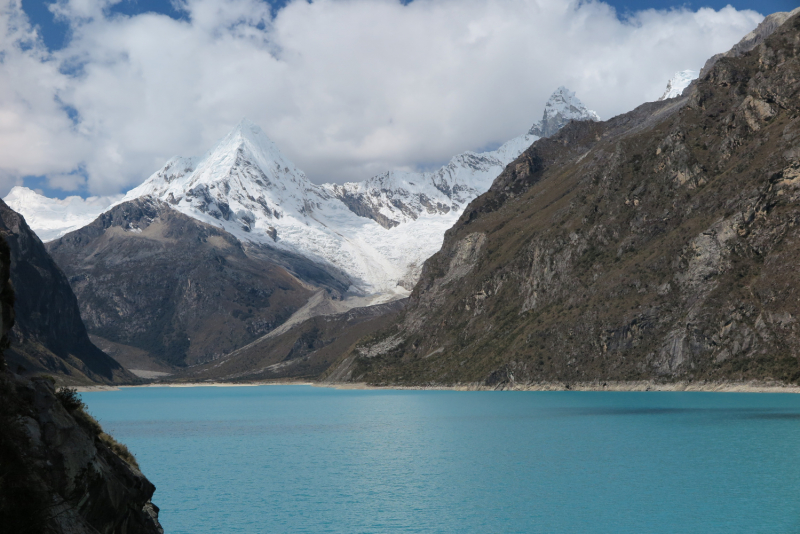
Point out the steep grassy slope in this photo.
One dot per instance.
(663, 243)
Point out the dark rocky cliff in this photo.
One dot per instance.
(159, 288)
(48, 335)
(59, 472)
(662, 244)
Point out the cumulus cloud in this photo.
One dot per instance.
(347, 88)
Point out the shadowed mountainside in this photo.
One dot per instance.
(304, 351)
(60, 472)
(163, 290)
(48, 335)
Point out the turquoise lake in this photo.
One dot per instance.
(307, 459)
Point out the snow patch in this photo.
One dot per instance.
(679, 82)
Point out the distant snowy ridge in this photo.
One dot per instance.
(379, 231)
(397, 197)
(51, 218)
(679, 82)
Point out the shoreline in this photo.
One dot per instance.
(632, 386)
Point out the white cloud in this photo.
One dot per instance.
(346, 88)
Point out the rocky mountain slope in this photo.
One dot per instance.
(210, 254)
(159, 289)
(48, 335)
(304, 350)
(660, 244)
(60, 472)
(765, 28)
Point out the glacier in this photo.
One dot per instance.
(51, 218)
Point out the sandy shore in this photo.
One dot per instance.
(720, 387)
(83, 389)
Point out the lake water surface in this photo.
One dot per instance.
(306, 459)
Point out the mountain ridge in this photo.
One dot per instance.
(658, 245)
(161, 275)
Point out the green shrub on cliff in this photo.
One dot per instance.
(71, 400)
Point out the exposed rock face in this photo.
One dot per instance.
(83, 486)
(57, 475)
(661, 244)
(48, 335)
(162, 288)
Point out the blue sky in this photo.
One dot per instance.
(55, 33)
(94, 102)
(765, 7)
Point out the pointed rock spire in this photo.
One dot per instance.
(562, 106)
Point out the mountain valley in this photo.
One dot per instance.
(547, 282)
(211, 254)
(612, 250)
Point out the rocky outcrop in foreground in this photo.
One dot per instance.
(662, 244)
(60, 472)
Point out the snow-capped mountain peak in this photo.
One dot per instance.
(679, 82)
(245, 177)
(562, 106)
(377, 232)
(245, 144)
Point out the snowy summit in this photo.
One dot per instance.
(562, 107)
(679, 82)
